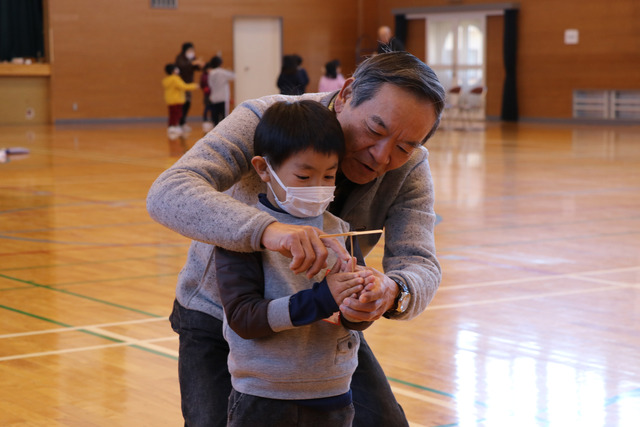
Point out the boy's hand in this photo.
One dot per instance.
(343, 283)
(377, 296)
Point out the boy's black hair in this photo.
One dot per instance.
(287, 128)
(169, 69)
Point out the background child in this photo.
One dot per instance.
(174, 95)
(220, 95)
(332, 78)
(288, 367)
(188, 63)
(207, 113)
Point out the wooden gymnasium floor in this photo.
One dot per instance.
(536, 323)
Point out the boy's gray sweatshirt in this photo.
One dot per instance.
(306, 362)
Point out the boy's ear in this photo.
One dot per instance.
(260, 165)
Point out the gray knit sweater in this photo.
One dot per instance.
(209, 193)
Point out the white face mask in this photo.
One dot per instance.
(303, 202)
(190, 55)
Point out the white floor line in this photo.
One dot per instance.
(423, 398)
(536, 279)
(610, 282)
(521, 298)
(125, 338)
(160, 349)
(140, 343)
(75, 328)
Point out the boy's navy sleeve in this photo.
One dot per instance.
(313, 304)
(317, 303)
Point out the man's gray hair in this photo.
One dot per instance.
(403, 70)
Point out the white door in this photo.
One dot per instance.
(456, 49)
(257, 56)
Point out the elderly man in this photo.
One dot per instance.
(387, 110)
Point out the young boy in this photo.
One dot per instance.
(174, 95)
(289, 367)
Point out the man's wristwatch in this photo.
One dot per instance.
(401, 303)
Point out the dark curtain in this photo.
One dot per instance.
(21, 33)
(509, 92)
(401, 28)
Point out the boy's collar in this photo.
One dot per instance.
(262, 198)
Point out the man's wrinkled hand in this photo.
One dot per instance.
(303, 245)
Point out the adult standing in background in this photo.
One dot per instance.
(188, 64)
(302, 73)
(389, 108)
(291, 80)
(387, 42)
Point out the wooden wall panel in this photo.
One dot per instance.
(495, 65)
(108, 56)
(416, 38)
(24, 100)
(607, 56)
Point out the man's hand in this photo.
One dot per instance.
(302, 244)
(377, 297)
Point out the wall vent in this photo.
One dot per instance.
(606, 104)
(164, 4)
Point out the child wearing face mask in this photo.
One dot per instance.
(187, 63)
(175, 90)
(292, 353)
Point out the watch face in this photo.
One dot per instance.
(403, 302)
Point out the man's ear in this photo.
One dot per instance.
(344, 95)
(260, 165)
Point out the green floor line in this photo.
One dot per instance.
(85, 331)
(419, 387)
(16, 289)
(146, 276)
(71, 264)
(64, 291)
(156, 352)
(35, 316)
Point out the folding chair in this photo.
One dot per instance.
(472, 106)
(452, 104)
